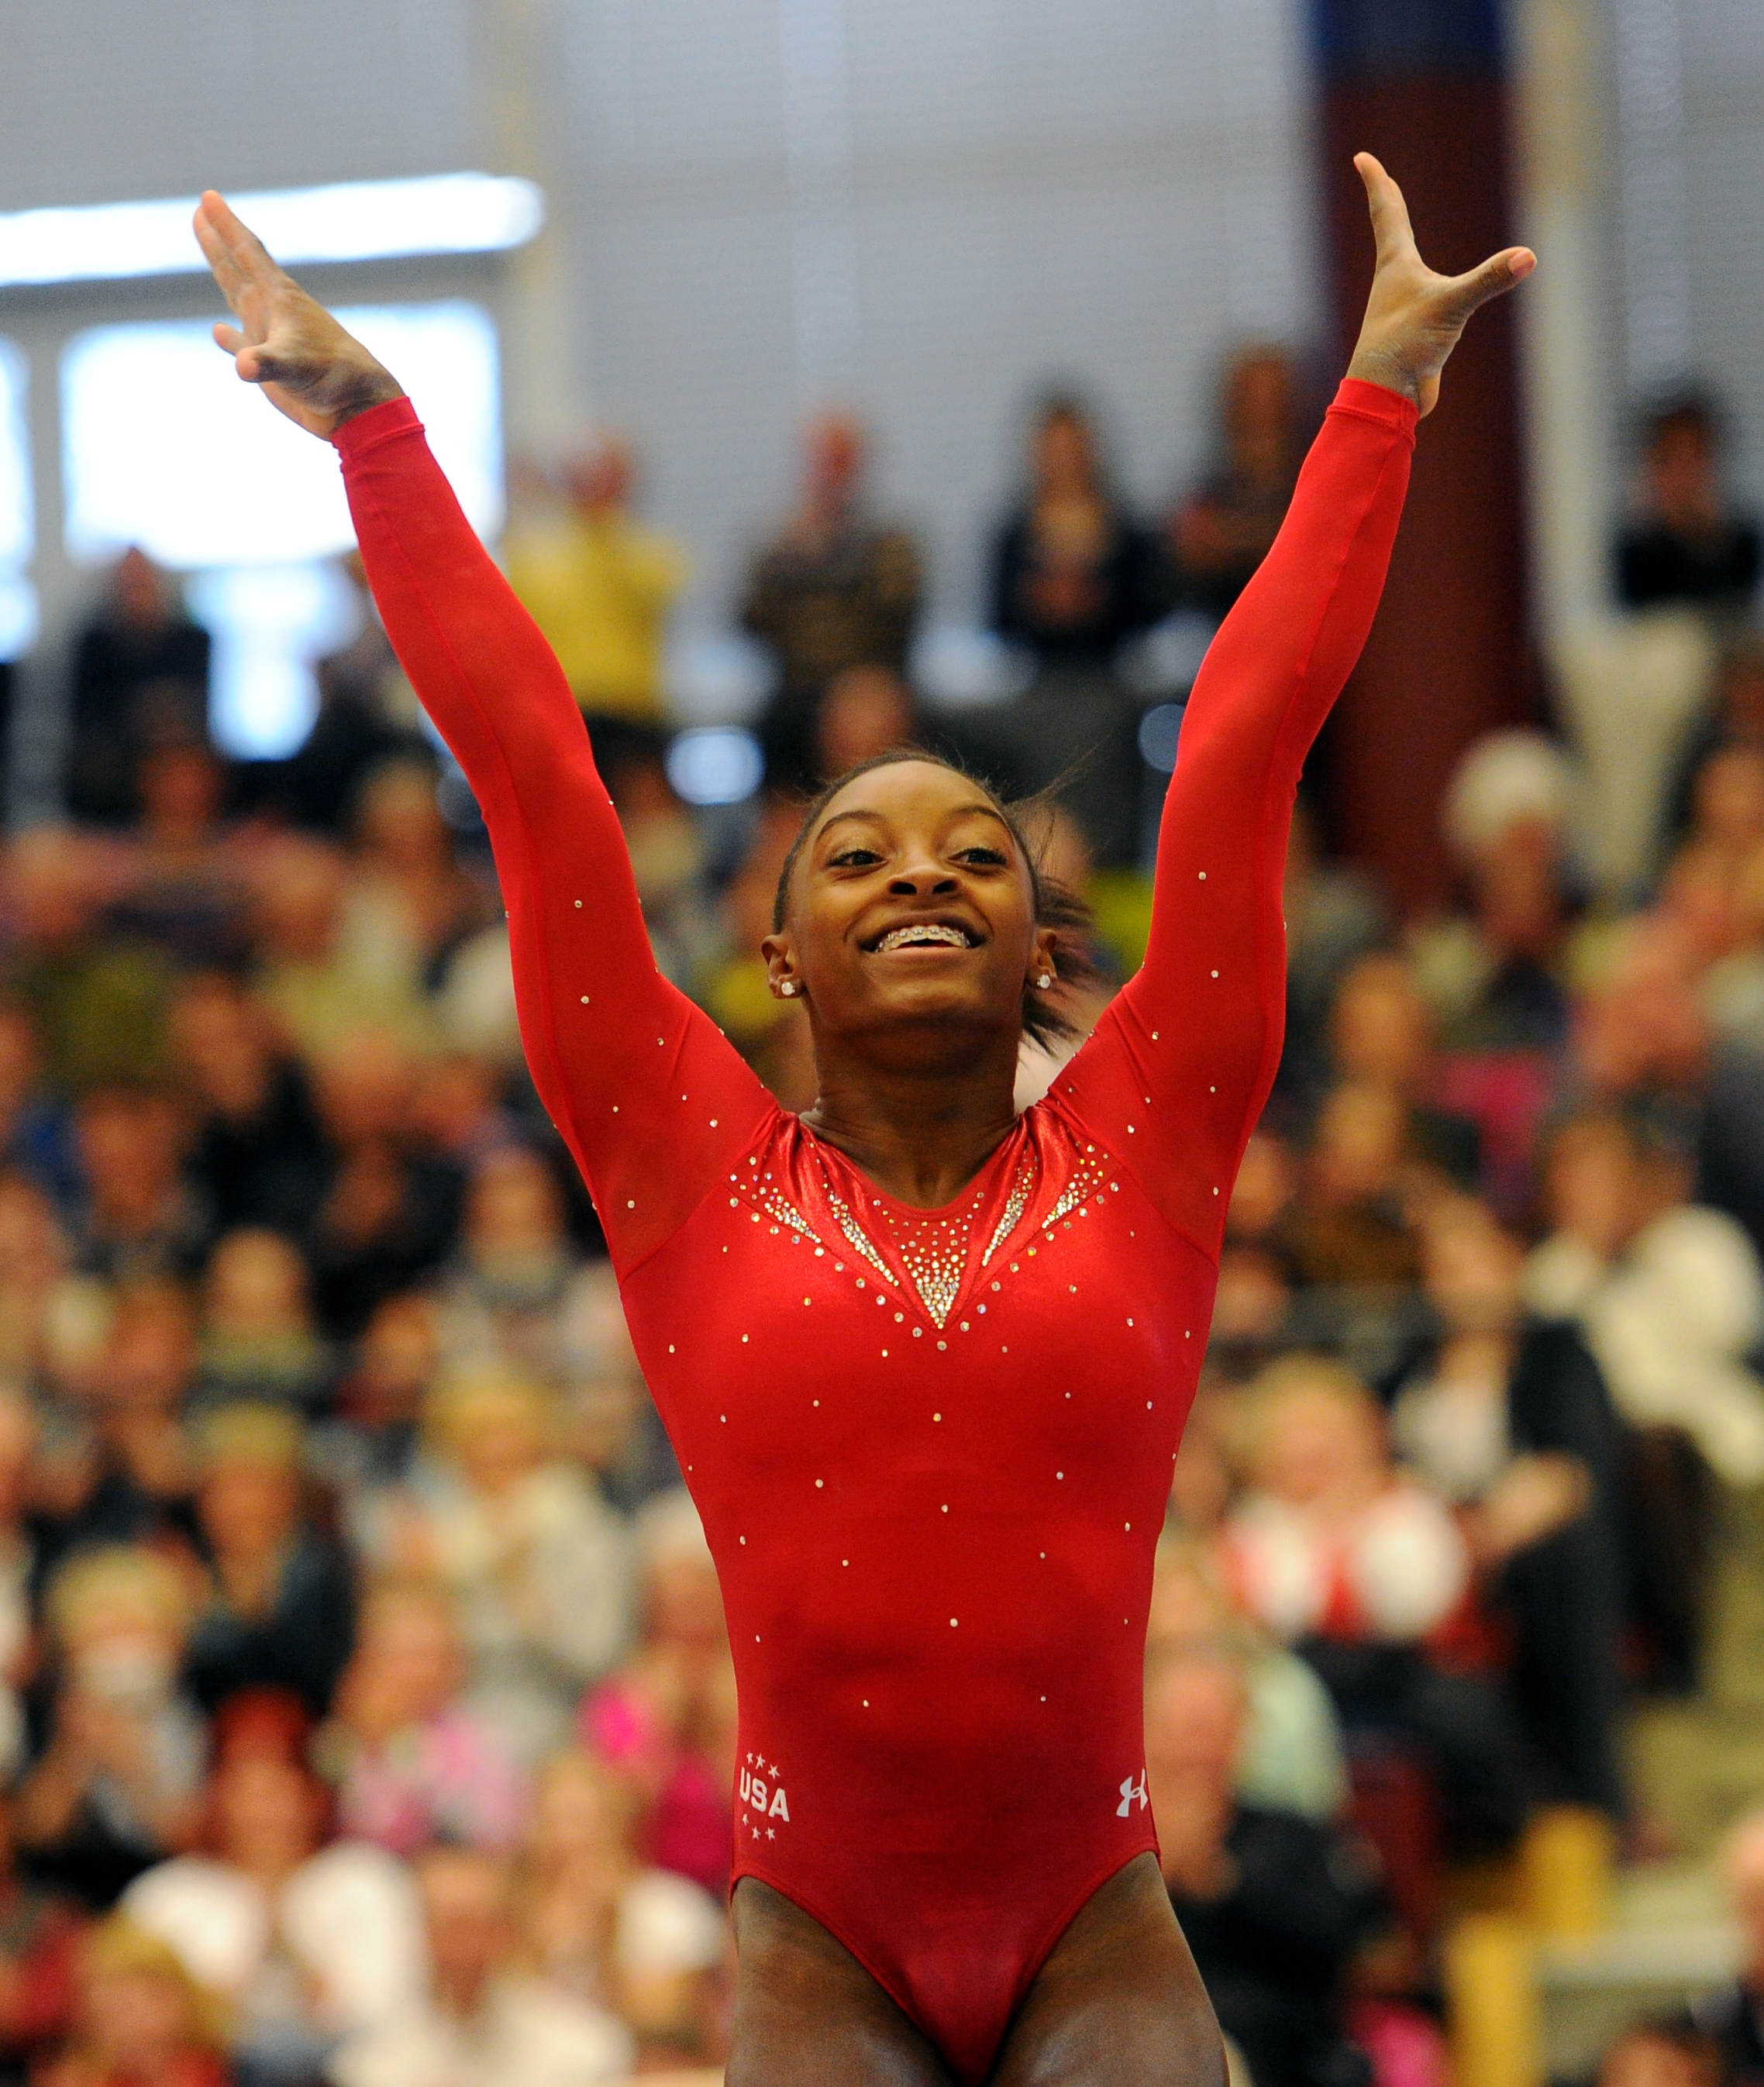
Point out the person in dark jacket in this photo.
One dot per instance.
(1688, 544)
(1275, 1907)
(1509, 1417)
(140, 679)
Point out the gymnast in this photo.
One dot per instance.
(925, 1361)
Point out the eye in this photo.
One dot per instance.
(988, 858)
(854, 858)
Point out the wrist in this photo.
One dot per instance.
(1386, 369)
(363, 390)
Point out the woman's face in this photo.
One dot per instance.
(911, 910)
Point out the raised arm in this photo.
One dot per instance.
(1178, 1072)
(651, 1099)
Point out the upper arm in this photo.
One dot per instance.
(1180, 1066)
(650, 1098)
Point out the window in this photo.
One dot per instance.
(164, 447)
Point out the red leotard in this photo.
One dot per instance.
(931, 1450)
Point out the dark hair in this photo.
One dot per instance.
(1691, 410)
(1058, 909)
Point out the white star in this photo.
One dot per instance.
(771, 1832)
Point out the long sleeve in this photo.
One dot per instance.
(1179, 1069)
(651, 1099)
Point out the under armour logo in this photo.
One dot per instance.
(1133, 1793)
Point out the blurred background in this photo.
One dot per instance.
(830, 376)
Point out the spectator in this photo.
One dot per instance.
(1671, 1293)
(834, 589)
(666, 1720)
(184, 891)
(600, 585)
(321, 985)
(1731, 2017)
(1509, 1420)
(116, 1789)
(1351, 1224)
(536, 1564)
(367, 709)
(97, 1001)
(508, 1291)
(1333, 918)
(1687, 543)
(1274, 1906)
(1496, 973)
(1073, 574)
(129, 1477)
(1381, 1036)
(484, 2022)
(306, 1943)
(136, 1219)
(390, 1208)
(255, 1159)
(374, 1440)
(1333, 1550)
(20, 1548)
(259, 1342)
(140, 679)
(278, 1607)
(411, 1765)
(1664, 2055)
(1290, 1757)
(41, 1934)
(407, 902)
(645, 1942)
(140, 2017)
(1222, 531)
(868, 710)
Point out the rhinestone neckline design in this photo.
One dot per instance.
(923, 1254)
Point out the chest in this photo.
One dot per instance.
(1042, 1338)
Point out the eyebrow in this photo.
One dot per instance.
(959, 812)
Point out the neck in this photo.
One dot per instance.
(921, 1133)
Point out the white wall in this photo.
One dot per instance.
(927, 208)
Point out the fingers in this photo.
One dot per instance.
(1390, 228)
(1496, 276)
(238, 257)
(229, 338)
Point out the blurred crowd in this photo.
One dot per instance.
(366, 1713)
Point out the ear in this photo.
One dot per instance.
(781, 971)
(1044, 961)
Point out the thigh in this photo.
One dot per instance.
(1119, 2002)
(808, 2014)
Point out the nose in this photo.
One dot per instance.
(921, 883)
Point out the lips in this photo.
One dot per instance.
(923, 934)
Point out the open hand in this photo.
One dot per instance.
(307, 366)
(1413, 318)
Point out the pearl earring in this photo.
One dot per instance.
(1045, 980)
(788, 990)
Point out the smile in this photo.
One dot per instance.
(922, 935)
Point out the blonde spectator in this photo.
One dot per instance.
(410, 1763)
(1332, 1550)
(140, 2017)
(279, 1610)
(115, 1789)
(646, 1943)
(258, 1341)
(536, 1564)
